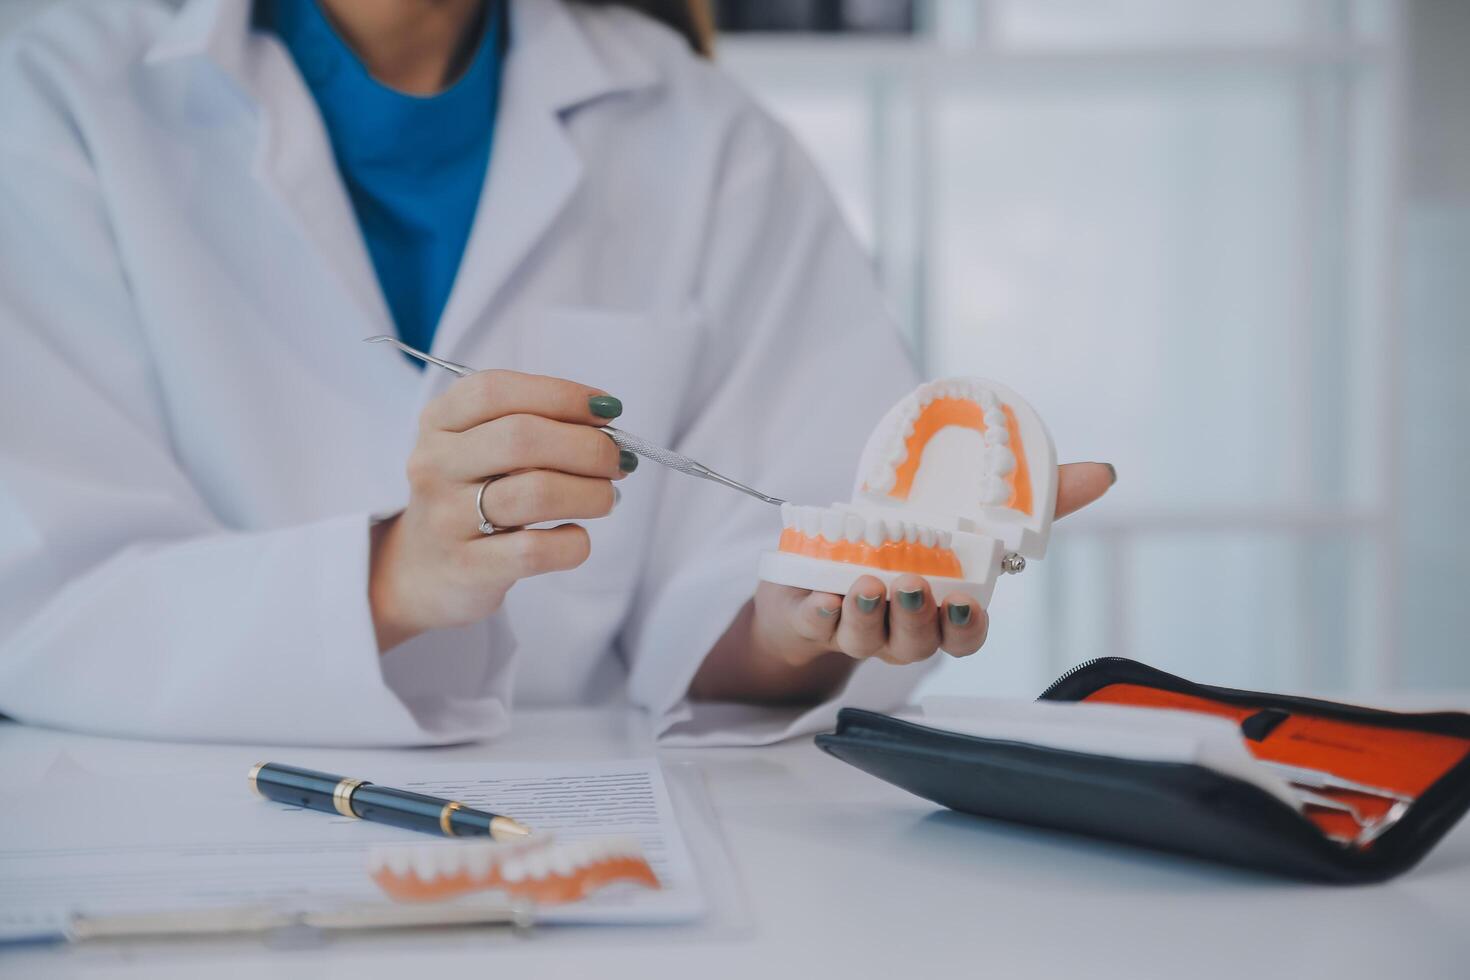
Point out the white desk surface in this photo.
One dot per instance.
(840, 875)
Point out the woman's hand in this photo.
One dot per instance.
(537, 437)
(796, 645)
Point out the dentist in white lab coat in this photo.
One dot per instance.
(222, 516)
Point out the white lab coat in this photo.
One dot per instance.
(195, 440)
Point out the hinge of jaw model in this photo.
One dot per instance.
(957, 484)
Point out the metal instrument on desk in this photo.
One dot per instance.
(1304, 782)
(626, 440)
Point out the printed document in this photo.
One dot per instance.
(82, 844)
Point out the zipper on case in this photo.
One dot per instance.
(1076, 670)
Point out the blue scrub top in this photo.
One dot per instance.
(413, 166)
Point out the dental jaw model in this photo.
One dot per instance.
(956, 484)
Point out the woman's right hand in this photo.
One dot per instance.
(538, 439)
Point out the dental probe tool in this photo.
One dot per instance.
(625, 440)
(1317, 779)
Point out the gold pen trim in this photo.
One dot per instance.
(342, 797)
(255, 772)
(445, 816)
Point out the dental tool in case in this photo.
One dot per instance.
(957, 484)
(625, 440)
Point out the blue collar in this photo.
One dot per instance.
(374, 126)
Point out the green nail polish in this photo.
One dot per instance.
(1112, 473)
(867, 603)
(829, 613)
(605, 406)
(959, 613)
(911, 600)
(627, 462)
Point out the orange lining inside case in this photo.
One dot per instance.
(1390, 758)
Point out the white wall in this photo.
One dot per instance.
(1178, 227)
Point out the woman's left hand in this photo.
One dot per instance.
(794, 644)
(903, 625)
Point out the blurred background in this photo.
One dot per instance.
(1224, 245)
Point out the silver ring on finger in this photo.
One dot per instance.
(486, 527)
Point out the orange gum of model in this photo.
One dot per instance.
(893, 556)
(554, 889)
(944, 412)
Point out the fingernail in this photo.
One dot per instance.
(627, 462)
(829, 613)
(911, 600)
(959, 613)
(617, 497)
(1112, 473)
(605, 406)
(867, 603)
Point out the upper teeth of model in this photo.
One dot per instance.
(841, 523)
(999, 459)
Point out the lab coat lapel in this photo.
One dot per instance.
(550, 71)
(533, 171)
(293, 158)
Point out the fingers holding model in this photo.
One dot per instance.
(516, 449)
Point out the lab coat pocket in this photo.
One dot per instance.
(646, 361)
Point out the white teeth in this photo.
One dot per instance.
(424, 865)
(987, 400)
(1002, 460)
(995, 418)
(840, 523)
(788, 515)
(537, 865)
(560, 862)
(998, 436)
(479, 860)
(513, 870)
(873, 534)
(994, 491)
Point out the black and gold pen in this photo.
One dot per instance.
(363, 800)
